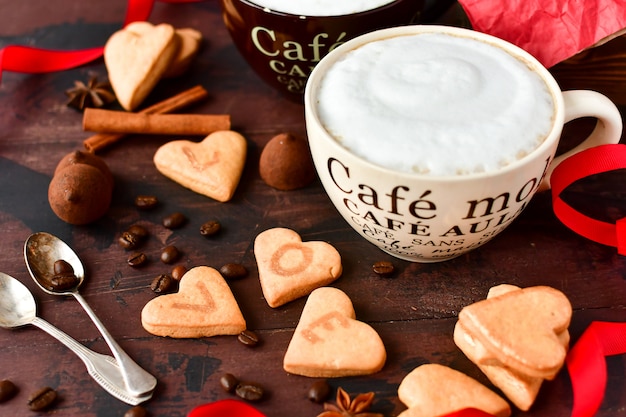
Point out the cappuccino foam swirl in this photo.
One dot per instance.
(435, 104)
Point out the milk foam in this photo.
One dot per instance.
(321, 7)
(435, 104)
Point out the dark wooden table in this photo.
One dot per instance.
(414, 312)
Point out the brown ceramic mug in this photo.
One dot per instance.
(283, 48)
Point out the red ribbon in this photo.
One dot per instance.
(591, 161)
(18, 58)
(225, 408)
(587, 365)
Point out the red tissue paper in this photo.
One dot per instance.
(550, 30)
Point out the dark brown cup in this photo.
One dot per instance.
(283, 48)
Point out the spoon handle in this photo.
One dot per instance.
(102, 368)
(138, 381)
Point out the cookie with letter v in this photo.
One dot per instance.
(211, 167)
(289, 268)
(203, 306)
(329, 342)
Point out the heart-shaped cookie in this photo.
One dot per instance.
(212, 167)
(521, 389)
(203, 306)
(290, 268)
(329, 342)
(436, 390)
(523, 328)
(189, 40)
(136, 57)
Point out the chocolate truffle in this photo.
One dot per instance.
(286, 163)
(81, 189)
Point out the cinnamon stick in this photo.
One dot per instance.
(179, 101)
(111, 121)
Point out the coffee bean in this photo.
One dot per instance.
(169, 254)
(178, 271)
(383, 268)
(248, 338)
(137, 259)
(63, 278)
(136, 411)
(249, 391)
(210, 228)
(62, 267)
(146, 202)
(42, 399)
(128, 241)
(174, 220)
(319, 391)
(7, 390)
(63, 282)
(229, 382)
(139, 231)
(233, 271)
(161, 284)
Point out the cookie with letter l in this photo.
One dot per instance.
(211, 167)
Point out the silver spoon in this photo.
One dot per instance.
(18, 308)
(41, 251)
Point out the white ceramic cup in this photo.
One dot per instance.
(424, 218)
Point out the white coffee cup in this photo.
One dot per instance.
(429, 218)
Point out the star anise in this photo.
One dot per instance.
(92, 94)
(347, 407)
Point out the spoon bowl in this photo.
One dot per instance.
(17, 304)
(41, 251)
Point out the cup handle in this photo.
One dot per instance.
(586, 103)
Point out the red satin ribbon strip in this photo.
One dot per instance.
(583, 164)
(225, 408)
(32, 60)
(587, 365)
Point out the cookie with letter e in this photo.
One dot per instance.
(203, 306)
(517, 337)
(329, 342)
(433, 390)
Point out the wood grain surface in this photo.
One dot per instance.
(414, 311)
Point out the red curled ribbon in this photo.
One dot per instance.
(591, 161)
(587, 366)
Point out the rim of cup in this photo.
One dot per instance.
(252, 4)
